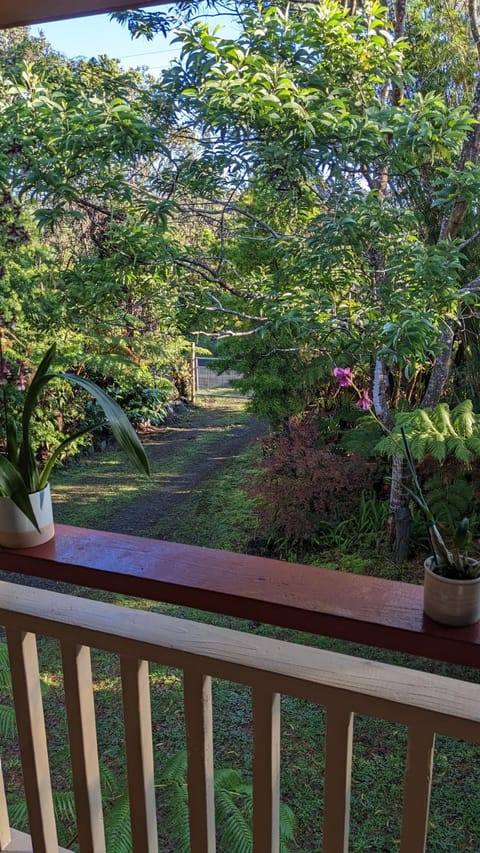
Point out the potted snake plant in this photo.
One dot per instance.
(26, 517)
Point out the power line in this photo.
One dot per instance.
(155, 67)
(148, 53)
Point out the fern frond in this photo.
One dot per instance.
(5, 678)
(458, 448)
(449, 501)
(7, 721)
(175, 768)
(18, 815)
(233, 809)
(109, 781)
(173, 779)
(439, 432)
(464, 420)
(117, 826)
(473, 444)
(287, 826)
(442, 418)
(180, 825)
(245, 791)
(235, 832)
(64, 805)
(227, 777)
(437, 447)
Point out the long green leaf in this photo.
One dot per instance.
(40, 379)
(13, 447)
(120, 425)
(13, 486)
(26, 461)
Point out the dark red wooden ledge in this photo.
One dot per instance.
(363, 610)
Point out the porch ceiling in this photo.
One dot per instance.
(15, 14)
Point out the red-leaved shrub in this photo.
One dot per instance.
(304, 483)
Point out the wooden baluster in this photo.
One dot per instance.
(417, 787)
(338, 771)
(77, 678)
(266, 771)
(199, 728)
(27, 697)
(138, 739)
(5, 835)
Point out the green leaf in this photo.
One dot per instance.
(13, 448)
(13, 486)
(27, 465)
(120, 425)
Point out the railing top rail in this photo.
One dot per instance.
(393, 692)
(371, 611)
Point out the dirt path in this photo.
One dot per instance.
(206, 438)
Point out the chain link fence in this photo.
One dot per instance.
(208, 381)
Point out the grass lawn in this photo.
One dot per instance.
(224, 518)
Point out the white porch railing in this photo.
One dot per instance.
(427, 704)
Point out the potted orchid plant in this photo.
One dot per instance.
(451, 575)
(25, 504)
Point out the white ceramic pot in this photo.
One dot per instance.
(16, 531)
(451, 602)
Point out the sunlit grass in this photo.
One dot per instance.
(107, 482)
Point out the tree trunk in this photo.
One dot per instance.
(450, 227)
(400, 519)
(440, 370)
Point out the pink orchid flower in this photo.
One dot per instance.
(343, 375)
(364, 402)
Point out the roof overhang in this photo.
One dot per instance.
(21, 13)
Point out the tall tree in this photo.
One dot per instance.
(84, 161)
(334, 113)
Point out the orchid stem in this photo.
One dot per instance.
(4, 397)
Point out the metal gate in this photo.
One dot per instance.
(208, 380)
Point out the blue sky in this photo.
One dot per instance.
(96, 34)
